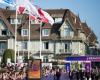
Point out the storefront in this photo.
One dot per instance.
(81, 62)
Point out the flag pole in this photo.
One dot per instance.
(40, 39)
(15, 33)
(29, 39)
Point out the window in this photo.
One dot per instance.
(45, 59)
(66, 31)
(4, 32)
(58, 20)
(46, 45)
(67, 47)
(24, 32)
(24, 45)
(3, 45)
(13, 21)
(45, 32)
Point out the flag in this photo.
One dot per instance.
(50, 19)
(44, 16)
(32, 17)
(8, 2)
(21, 9)
(24, 6)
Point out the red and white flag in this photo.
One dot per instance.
(24, 6)
(44, 16)
(48, 17)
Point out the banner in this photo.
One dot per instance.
(68, 67)
(34, 69)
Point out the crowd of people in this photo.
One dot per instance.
(62, 74)
(16, 72)
(13, 72)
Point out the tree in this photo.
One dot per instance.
(26, 58)
(8, 53)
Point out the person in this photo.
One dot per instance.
(25, 76)
(71, 75)
(1, 76)
(97, 73)
(58, 74)
(50, 76)
(64, 75)
(92, 74)
(87, 75)
(77, 75)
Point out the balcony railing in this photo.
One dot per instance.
(65, 50)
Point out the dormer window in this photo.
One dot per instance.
(19, 21)
(66, 32)
(45, 32)
(57, 20)
(24, 32)
(13, 21)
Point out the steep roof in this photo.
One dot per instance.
(75, 20)
(56, 12)
(89, 33)
(86, 29)
(65, 14)
(4, 18)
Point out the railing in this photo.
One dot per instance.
(68, 50)
(65, 50)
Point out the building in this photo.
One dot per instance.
(67, 36)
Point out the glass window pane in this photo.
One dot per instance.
(46, 45)
(45, 32)
(24, 32)
(24, 45)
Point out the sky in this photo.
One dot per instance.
(88, 10)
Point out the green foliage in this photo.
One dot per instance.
(25, 59)
(8, 53)
(31, 58)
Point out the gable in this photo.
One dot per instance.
(4, 31)
(67, 25)
(6, 23)
(66, 30)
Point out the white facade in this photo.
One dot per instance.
(11, 43)
(56, 47)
